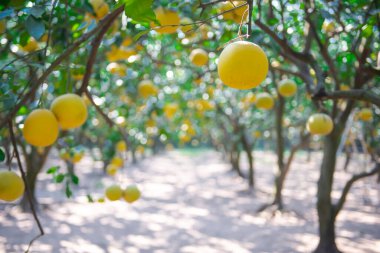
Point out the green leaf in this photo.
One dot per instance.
(68, 191)
(75, 179)
(90, 198)
(52, 170)
(138, 36)
(59, 178)
(35, 27)
(367, 31)
(2, 155)
(140, 11)
(37, 11)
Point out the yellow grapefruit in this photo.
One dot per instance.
(41, 128)
(242, 65)
(11, 186)
(70, 111)
(320, 124)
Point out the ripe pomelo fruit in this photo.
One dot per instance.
(264, 101)
(131, 193)
(70, 111)
(113, 192)
(320, 124)
(121, 146)
(242, 65)
(11, 186)
(199, 57)
(40, 128)
(169, 19)
(117, 161)
(287, 88)
(146, 89)
(365, 114)
(112, 169)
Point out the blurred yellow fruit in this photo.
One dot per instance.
(344, 87)
(44, 38)
(121, 146)
(140, 149)
(199, 57)
(113, 192)
(100, 7)
(186, 25)
(117, 69)
(365, 114)
(328, 26)
(167, 18)
(139, 47)
(77, 156)
(170, 110)
(257, 134)
(264, 101)
(117, 161)
(111, 169)
(131, 193)
(242, 65)
(320, 124)
(127, 42)
(235, 15)
(287, 88)
(101, 200)
(78, 77)
(40, 128)
(118, 54)
(64, 155)
(70, 111)
(31, 46)
(146, 89)
(11, 186)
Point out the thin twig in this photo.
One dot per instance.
(28, 192)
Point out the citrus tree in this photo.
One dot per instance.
(126, 76)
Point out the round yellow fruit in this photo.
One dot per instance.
(320, 124)
(169, 20)
(146, 89)
(365, 114)
(256, 134)
(113, 192)
(70, 111)
(287, 88)
(131, 193)
(328, 26)
(31, 46)
(112, 169)
(235, 15)
(11, 186)
(199, 57)
(344, 87)
(117, 161)
(264, 101)
(121, 146)
(242, 65)
(186, 25)
(77, 157)
(40, 128)
(170, 110)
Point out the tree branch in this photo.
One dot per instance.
(362, 95)
(339, 205)
(56, 63)
(28, 192)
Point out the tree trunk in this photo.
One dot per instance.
(34, 163)
(248, 150)
(279, 178)
(324, 204)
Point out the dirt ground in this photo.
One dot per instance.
(192, 202)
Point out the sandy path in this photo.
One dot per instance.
(191, 203)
